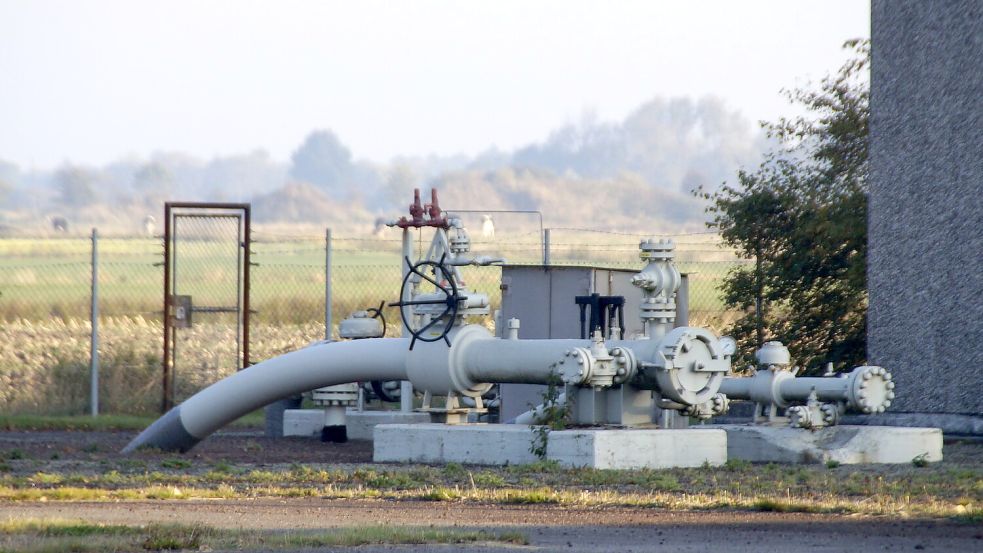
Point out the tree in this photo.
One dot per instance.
(75, 186)
(322, 160)
(155, 184)
(802, 217)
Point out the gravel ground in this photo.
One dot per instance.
(228, 446)
(548, 528)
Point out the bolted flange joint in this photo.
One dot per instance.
(596, 367)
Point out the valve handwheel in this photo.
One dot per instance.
(450, 301)
(376, 313)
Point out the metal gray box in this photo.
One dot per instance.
(542, 298)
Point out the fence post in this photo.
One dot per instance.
(327, 285)
(546, 247)
(94, 335)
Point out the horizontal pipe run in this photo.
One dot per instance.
(827, 389)
(736, 387)
(515, 361)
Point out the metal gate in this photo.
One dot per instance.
(206, 295)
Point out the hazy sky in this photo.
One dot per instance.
(93, 81)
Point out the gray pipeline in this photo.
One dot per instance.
(296, 372)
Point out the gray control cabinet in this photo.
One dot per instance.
(542, 298)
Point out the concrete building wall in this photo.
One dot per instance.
(926, 206)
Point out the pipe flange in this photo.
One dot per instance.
(576, 367)
(871, 390)
(799, 416)
(433, 367)
(625, 364)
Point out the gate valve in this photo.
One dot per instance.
(597, 367)
(443, 304)
(423, 215)
(717, 405)
(814, 414)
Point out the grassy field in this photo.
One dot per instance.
(43, 278)
(45, 302)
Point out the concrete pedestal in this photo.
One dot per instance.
(360, 424)
(843, 444)
(638, 448)
(476, 444)
(303, 422)
(502, 444)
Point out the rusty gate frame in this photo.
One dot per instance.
(167, 401)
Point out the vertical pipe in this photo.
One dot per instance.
(546, 247)
(94, 343)
(682, 301)
(406, 387)
(247, 245)
(328, 323)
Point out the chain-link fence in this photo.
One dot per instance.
(45, 297)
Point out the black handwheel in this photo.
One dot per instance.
(380, 390)
(378, 386)
(376, 313)
(449, 301)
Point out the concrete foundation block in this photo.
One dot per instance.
(477, 444)
(843, 444)
(303, 422)
(362, 423)
(638, 448)
(505, 444)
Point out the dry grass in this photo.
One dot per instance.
(41, 536)
(45, 368)
(940, 490)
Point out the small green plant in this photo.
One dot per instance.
(175, 463)
(454, 470)
(488, 479)
(171, 538)
(920, 461)
(554, 417)
(734, 465)
(13, 455)
(832, 464)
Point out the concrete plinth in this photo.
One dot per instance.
(502, 444)
(638, 449)
(360, 424)
(476, 444)
(303, 422)
(843, 444)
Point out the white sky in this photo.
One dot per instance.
(93, 81)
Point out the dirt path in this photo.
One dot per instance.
(549, 528)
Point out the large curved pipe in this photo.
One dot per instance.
(313, 367)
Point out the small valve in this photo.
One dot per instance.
(597, 366)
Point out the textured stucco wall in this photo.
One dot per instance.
(926, 203)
